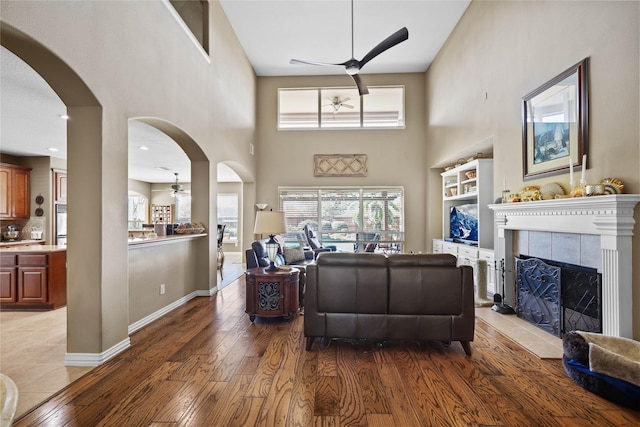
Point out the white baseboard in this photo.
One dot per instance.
(97, 359)
(164, 310)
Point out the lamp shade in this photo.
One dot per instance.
(269, 222)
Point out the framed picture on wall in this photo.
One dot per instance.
(555, 123)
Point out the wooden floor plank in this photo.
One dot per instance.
(303, 393)
(205, 363)
(276, 405)
(401, 407)
(327, 396)
(351, 406)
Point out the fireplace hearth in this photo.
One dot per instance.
(558, 297)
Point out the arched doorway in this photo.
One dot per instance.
(94, 323)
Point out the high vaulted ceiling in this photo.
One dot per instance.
(271, 32)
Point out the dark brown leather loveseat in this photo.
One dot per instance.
(423, 297)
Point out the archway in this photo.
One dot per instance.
(96, 284)
(203, 182)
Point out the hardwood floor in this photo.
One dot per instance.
(206, 364)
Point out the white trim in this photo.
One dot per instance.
(611, 217)
(95, 359)
(164, 310)
(187, 30)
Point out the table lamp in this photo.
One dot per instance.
(271, 223)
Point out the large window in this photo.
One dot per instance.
(137, 209)
(228, 215)
(332, 108)
(183, 208)
(348, 218)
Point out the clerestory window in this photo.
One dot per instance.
(340, 108)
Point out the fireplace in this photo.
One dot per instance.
(607, 220)
(558, 297)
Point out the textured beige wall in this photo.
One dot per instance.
(170, 264)
(138, 62)
(395, 157)
(507, 49)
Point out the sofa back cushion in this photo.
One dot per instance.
(424, 284)
(293, 254)
(260, 249)
(352, 283)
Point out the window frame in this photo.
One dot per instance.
(388, 237)
(228, 237)
(319, 109)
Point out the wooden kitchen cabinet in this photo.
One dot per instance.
(8, 282)
(33, 280)
(60, 183)
(15, 192)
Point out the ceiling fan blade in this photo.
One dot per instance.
(362, 88)
(398, 37)
(303, 62)
(347, 105)
(345, 99)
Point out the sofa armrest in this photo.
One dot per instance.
(252, 261)
(320, 250)
(314, 322)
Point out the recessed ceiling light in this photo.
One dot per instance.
(63, 116)
(52, 149)
(143, 147)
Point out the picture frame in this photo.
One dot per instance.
(555, 124)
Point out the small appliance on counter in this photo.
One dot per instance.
(11, 234)
(36, 233)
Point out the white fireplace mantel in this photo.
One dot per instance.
(610, 217)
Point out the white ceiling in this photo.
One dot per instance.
(271, 32)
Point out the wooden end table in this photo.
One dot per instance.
(272, 293)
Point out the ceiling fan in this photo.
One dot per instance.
(175, 189)
(353, 66)
(336, 102)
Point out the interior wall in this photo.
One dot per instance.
(149, 68)
(172, 265)
(395, 157)
(501, 51)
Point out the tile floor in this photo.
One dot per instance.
(534, 339)
(32, 349)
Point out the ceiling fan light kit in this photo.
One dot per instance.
(175, 189)
(353, 66)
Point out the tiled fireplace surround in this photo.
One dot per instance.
(590, 231)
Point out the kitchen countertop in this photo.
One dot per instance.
(161, 240)
(20, 242)
(33, 248)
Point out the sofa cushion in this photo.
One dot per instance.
(354, 283)
(293, 254)
(424, 284)
(412, 260)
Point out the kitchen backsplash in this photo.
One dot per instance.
(25, 226)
